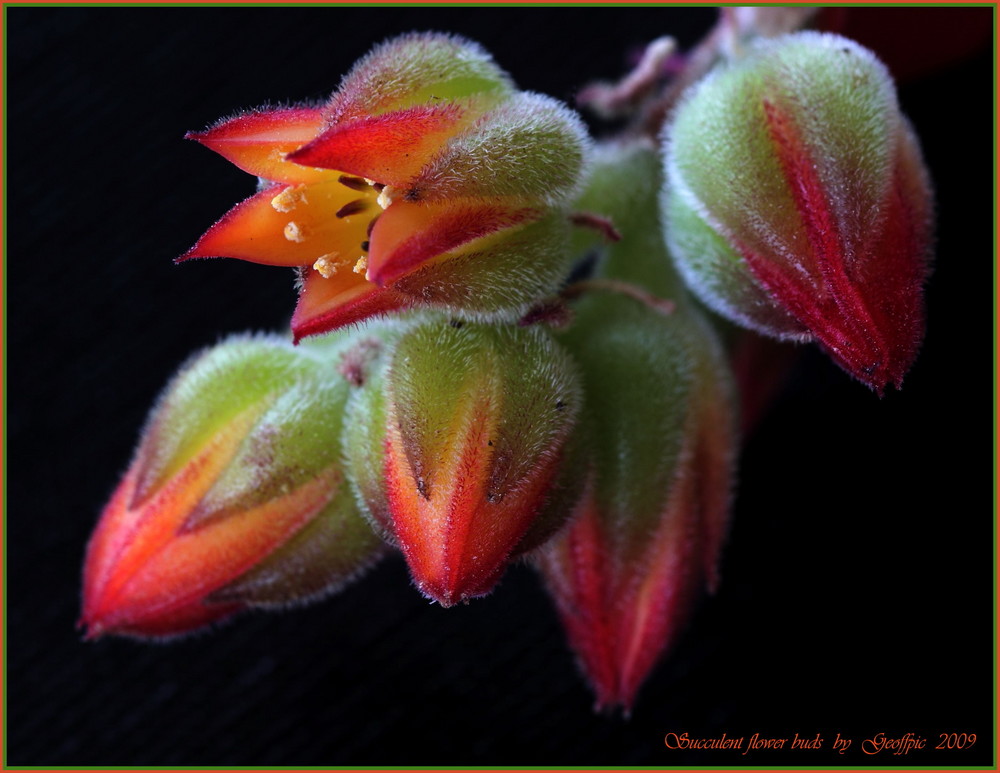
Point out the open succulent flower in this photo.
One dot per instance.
(236, 497)
(425, 180)
(798, 204)
(457, 449)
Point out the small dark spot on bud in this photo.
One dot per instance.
(846, 50)
(354, 363)
(422, 488)
(494, 497)
(364, 246)
(489, 443)
(413, 194)
(560, 405)
(352, 372)
(456, 323)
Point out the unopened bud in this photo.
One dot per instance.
(236, 496)
(457, 448)
(646, 537)
(797, 202)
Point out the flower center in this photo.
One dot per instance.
(335, 220)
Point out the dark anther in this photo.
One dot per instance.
(378, 186)
(354, 183)
(364, 246)
(352, 208)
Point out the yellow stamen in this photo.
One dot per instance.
(385, 197)
(290, 198)
(325, 264)
(361, 266)
(294, 232)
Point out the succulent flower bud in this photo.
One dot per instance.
(623, 188)
(236, 496)
(646, 536)
(455, 447)
(415, 185)
(798, 205)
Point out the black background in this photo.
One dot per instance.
(857, 584)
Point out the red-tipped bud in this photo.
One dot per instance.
(658, 420)
(797, 202)
(646, 537)
(236, 497)
(456, 447)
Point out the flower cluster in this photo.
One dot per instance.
(510, 366)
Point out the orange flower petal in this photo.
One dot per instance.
(258, 142)
(407, 235)
(390, 148)
(345, 298)
(291, 226)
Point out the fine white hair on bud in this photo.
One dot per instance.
(530, 146)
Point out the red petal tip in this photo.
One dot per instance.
(196, 253)
(93, 632)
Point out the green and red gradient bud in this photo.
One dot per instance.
(797, 202)
(646, 536)
(236, 496)
(416, 184)
(658, 419)
(457, 449)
